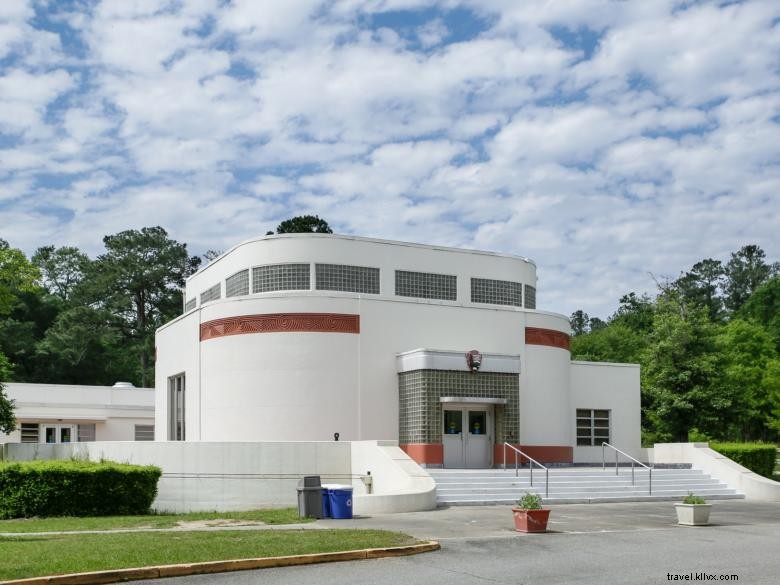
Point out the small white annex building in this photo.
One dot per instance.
(63, 413)
(298, 337)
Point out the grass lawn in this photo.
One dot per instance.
(31, 556)
(58, 524)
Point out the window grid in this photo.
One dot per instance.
(341, 277)
(426, 285)
(592, 427)
(238, 284)
(496, 292)
(85, 433)
(211, 294)
(273, 277)
(530, 297)
(189, 305)
(30, 432)
(144, 432)
(176, 405)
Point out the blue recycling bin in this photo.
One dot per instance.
(340, 497)
(325, 502)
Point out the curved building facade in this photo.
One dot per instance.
(302, 336)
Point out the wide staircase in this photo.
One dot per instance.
(569, 485)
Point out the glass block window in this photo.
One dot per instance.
(238, 284)
(424, 285)
(496, 292)
(592, 427)
(189, 305)
(280, 277)
(144, 432)
(211, 294)
(85, 433)
(359, 279)
(530, 297)
(30, 432)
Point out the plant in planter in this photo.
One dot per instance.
(693, 511)
(529, 515)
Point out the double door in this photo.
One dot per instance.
(467, 436)
(58, 433)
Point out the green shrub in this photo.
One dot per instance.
(757, 457)
(530, 501)
(693, 499)
(75, 488)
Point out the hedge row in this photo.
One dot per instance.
(757, 457)
(75, 488)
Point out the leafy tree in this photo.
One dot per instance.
(138, 280)
(17, 275)
(745, 272)
(700, 286)
(681, 369)
(635, 312)
(7, 418)
(763, 307)
(596, 324)
(747, 351)
(303, 224)
(614, 343)
(62, 269)
(579, 322)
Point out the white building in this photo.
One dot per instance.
(62, 413)
(297, 337)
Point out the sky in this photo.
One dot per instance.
(614, 143)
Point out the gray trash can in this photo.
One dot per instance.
(310, 497)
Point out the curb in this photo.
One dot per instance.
(135, 574)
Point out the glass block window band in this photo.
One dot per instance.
(211, 294)
(496, 292)
(592, 427)
(358, 279)
(425, 285)
(189, 305)
(530, 297)
(275, 277)
(144, 432)
(238, 284)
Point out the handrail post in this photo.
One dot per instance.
(603, 458)
(504, 464)
(632, 473)
(650, 489)
(616, 462)
(531, 468)
(517, 473)
(546, 483)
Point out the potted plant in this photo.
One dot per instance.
(529, 515)
(693, 511)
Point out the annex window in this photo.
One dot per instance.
(176, 427)
(496, 292)
(189, 305)
(592, 427)
(340, 277)
(530, 297)
(238, 284)
(85, 433)
(144, 432)
(211, 294)
(30, 432)
(426, 285)
(275, 277)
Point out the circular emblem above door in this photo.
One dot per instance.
(473, 360)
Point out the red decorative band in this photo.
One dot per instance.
(281, 323)
(550, 337)
(542, 453)
(425, 453)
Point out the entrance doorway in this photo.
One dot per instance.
(58, 434)
(467, 436)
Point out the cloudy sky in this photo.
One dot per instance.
(605, 140)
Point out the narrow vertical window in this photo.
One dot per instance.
(176, 405)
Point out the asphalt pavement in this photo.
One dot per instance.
(632, 543)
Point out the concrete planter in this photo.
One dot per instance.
(693, 514)
(530, 520)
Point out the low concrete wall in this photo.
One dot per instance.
(241, 476)
(700, 456)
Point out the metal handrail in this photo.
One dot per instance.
(633, 461)
(530, 460)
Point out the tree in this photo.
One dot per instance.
(596, 324)
(616, 342)
(17, 275)
(763, 307)
(745, 272)
(579, 322)
(7, 418)
(680, 371)
(700, 286)
(303, 224)
(62, 269)
(138, 280)
(635, 312)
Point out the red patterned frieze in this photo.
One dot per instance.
(549, 337)
(281, 323)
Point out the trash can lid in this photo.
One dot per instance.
(311, 481)
(336, 486)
